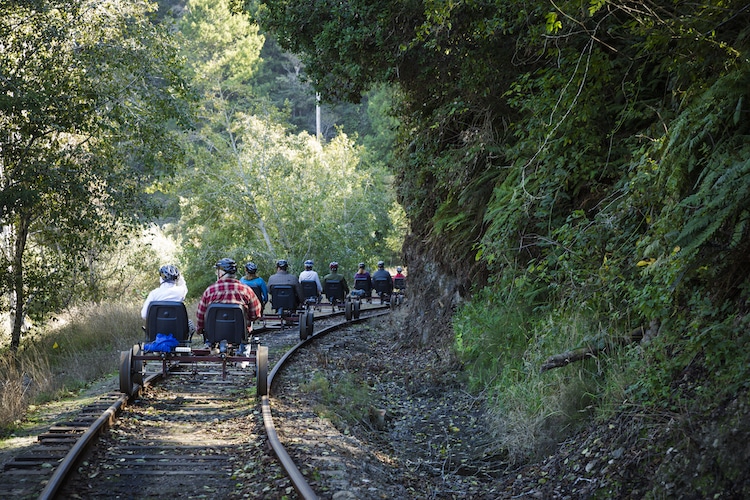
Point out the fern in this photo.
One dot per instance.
(723, 198)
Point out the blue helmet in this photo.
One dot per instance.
(251, 268)
(282, 264)
(308, 264)
(227, 265)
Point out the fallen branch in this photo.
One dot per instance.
(596, 346)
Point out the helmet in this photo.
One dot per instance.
(334, 266)
(308, 264)
(361, 265)
(399, 269)
(282, 264)
(251, 268)
(169, 273)
(381, 264)
(227, 265)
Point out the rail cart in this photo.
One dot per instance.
(226, 335)
(288, 312)
(399, 291)
(350, 303)
(384, 289)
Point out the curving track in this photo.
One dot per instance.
(157, 454)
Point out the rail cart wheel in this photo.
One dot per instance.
(137, 364)
(303, 326)
(126, 375)
(310, 320)
(348, 310)
(261, 370)
(356, 310)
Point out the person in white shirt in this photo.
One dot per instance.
(172, 287)
(309, 275)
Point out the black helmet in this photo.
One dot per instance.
(282, 264)
(334, 266)
(308, 264)
(361, 265)
(251, 268)
(169, 273)
(381, 264)
(227, 265)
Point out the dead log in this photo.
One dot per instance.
(594, 348)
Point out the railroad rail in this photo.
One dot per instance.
(298, 480)
(46, 466)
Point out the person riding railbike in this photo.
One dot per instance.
(363, 281)
(172, 287)
(255, 282)
(228, 290)
(282, 277)
(382, 281)
(311, 276)
(335, 276)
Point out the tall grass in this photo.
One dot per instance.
(81, 346)
(503, 344)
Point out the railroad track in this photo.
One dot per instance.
(196, 451)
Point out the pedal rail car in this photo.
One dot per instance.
(288, 311)
(351, 303)
(225, 331)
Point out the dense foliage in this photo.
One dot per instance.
(586, 161)
(253, 188)
(90, 97)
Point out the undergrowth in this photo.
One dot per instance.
(345, 400)
(695, 363)
(78, 348)
(503, 344)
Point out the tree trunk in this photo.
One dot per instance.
(18, 309)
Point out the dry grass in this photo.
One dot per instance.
(80, 347)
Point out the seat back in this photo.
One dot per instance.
(225, 322)
(334, 291)
(362, 284)
(399, 283)
(258, 292)
(309, 288)
(382, 285)
(283, 297)
(169, 318)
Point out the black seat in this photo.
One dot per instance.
(309, 289)
(399, 283)
(382, 285)
(363, 284)
(334, 291)
(225, 322)
(258, 292)
(169, 318)
(283, 297)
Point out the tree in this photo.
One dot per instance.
(90, 98)
(255, 190)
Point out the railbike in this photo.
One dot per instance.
(168, 341)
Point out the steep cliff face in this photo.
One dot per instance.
(435, 290)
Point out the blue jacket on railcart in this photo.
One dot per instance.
(255, 282)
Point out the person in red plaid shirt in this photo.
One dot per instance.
(228, 290)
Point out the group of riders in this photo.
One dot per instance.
(252, 291)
